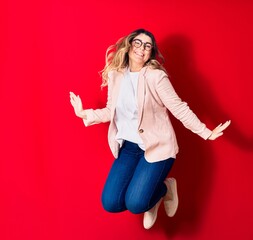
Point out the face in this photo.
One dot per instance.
(140, 51)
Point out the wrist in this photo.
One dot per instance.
(83, 115)
(211, 137)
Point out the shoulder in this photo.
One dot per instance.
(155, 73)
(156, 76)
(115, 73)
(114, 77)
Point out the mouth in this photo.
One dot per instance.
(139, 54)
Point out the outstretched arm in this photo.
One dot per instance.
(90, 116)
(218, 131)
(182, 111)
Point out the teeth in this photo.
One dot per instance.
(139, 54)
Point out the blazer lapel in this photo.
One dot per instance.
(141, 93)
(115, 91)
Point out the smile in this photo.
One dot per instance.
(139, 54)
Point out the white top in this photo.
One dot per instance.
(126, 117)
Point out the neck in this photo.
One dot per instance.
(134, 67)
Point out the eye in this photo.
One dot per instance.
(137, 43)
(148, 46)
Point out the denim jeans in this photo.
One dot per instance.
(133, 183)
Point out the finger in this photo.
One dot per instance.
(224, 126)
(79, 99)
(72, 95)
(73, 102)
(216, 135)
(75, 98)
(228, 122)
(219, 134)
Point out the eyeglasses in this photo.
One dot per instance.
(138, 43)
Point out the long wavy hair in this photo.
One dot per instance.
(116, 57)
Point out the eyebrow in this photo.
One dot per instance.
(142, 41)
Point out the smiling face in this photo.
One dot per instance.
(138, 56)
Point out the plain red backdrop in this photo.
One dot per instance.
(52, 168)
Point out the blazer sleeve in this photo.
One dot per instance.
(178, 108)
(100, 115)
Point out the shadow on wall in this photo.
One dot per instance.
(194, 166)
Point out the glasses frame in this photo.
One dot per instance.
(142, 43)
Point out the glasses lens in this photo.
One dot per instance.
(148, 46)
(137, 43)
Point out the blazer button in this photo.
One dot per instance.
(141, 130)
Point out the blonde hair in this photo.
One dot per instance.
(116, 57)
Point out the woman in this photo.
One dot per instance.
(140, 135)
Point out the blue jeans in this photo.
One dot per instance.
(133, 183)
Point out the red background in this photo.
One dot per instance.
(52, 168)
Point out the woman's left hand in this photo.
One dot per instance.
(76, 102)
(218, 131)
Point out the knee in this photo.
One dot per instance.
(111, 204)
(136, 205)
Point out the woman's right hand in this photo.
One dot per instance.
(76, 102)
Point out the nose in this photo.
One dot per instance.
(143, 46)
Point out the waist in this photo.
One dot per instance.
(132, 146)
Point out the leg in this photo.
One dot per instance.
(171, 197)
(170, 204)
(147, 185)
(113, 196)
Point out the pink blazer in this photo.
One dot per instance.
(156, 96)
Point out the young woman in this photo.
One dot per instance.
(140, 135)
